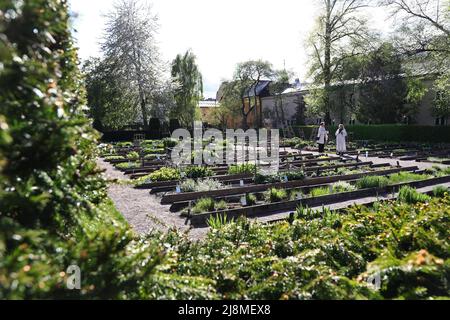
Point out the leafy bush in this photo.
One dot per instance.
(369, 182)
(221, 205)
(293, 175)
(440, 191)
(150, 157)
(153, 144)
(419, 275)
(169, 142)
(128, 165)
(208, 205)
(262, 179)
(250, 199)
(329, 255)
(110, 158)
(195, 172)
(165, 174)
(342, 186)
(318, 192)
(242, 168)
(133, 155)
(275, 195)
(124, 144)
(203, 205)
(412, 196)
(280, 177)
(191, 185)
(152, 150)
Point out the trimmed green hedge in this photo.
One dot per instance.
(389, 132)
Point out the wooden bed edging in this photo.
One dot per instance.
(250, 177)
(271, 208)
(169, 199)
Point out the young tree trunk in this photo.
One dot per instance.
(244, 114)
(143, 108)
(327, 64)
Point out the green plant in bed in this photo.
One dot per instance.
(275, 195)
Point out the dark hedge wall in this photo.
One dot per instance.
(395, 133)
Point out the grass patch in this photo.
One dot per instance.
(412, 196)
(369, 182)
(440, 191)
(208, 205)
(402, 177)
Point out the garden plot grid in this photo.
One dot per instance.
(154, 195)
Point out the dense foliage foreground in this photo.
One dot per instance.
(54, 211)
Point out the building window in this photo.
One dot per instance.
(442, 121)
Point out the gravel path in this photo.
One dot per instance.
(142, 210)
(145, 213)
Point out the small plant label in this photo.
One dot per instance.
(242, 183)
(178, 188)
(244, 200)
(367, 154)
(299, 196)
(285, 178)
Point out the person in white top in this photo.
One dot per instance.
(341, 135)
(322, 137)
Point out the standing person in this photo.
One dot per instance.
(341, 135)
(322, 137)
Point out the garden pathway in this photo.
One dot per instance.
(143, 211)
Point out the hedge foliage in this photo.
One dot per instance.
(391, 133)
(54, 212)
(53, 207)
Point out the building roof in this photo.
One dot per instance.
(260, 87)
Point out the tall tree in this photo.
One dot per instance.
(247, 77)
(230, 109)
(110, 99)
(188, 83)
(383, 88)
(340, 33)
(130, 49)
(424, 37)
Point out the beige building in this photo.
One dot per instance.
(289, 108)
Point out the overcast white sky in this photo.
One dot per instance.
(220, 32)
